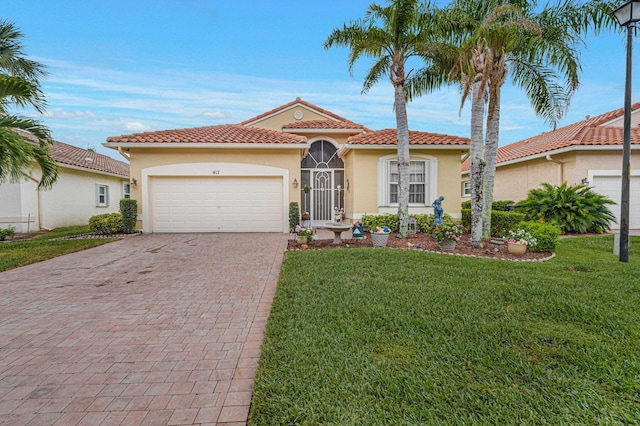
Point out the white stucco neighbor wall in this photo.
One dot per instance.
(71, 201)
(19, 206)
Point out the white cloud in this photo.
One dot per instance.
(135, 126)
(60, 113)
(216, 115)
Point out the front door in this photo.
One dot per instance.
(323, 171)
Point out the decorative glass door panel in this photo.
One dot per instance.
(321, 196)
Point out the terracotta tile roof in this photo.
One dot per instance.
(225, 133)
(74, 156)
(588, 132)
(389, 137)
(323, 125)
(65, 154)
(298, 101)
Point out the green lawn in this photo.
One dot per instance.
(42, 247)
(372, 337)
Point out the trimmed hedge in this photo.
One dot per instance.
(107, 223)
(294, 215)
(370, 222)
(129, 211)
(546, 234)
(424, 222)
(500, 205)
(501, 221)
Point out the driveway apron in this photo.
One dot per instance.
(154, 329)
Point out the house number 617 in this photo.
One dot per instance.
(216, 172)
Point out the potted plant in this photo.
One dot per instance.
(305, 216)
(305, 235)
(307, 188)
(380, 236)
(519, 240)
(448, 234)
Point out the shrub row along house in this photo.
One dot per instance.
(587, 152)
(242, 177)
(88, 184)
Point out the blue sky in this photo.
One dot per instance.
(119, 67)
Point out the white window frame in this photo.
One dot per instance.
(466, 188)
(126, 190)
(102, 195)
(384, 179)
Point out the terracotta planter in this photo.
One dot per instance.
(517, 249)
(447, 244)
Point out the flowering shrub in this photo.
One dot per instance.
(448, 231)
(304, 232)
(522, 237)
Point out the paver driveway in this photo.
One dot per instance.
(154, 329)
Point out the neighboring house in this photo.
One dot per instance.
(241, 177)
(589, 152)
(88, 184)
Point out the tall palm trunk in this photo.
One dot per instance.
(477, 148)
(497, 79)
(402, 128)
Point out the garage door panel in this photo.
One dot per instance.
(216, 204)
(611, 186)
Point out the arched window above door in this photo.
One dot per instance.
(322, 155)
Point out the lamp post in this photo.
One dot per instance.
(627, 15)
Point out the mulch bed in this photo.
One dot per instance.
(424, 242)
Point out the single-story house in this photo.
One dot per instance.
(588, 152)
(88, 184)
(242, 177)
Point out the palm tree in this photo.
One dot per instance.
(538, 50)
(392, 35)
(20, 88)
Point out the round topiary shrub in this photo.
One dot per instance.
(107, 223)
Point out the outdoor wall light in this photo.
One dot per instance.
(627, 15)
(134, 182)
(295, 183)
(585, 181)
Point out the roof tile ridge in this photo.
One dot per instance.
(290, 104)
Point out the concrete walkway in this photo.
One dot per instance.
(154, 329)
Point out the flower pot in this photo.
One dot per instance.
(447, 244)
(379, 239)
(301, 239)
(517, 249)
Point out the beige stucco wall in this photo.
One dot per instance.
(362, 197)
(142, 158)
(276, 121)
(514, 181)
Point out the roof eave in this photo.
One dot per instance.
(86, 169)
(116, 145)
(334, 131)
(412, 146)
(562, 151)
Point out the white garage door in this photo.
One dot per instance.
(216, 204)
(610, 186)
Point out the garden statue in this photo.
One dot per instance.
(438, 211)
(338, 214)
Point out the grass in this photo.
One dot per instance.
(367, 336)
(43, 247)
